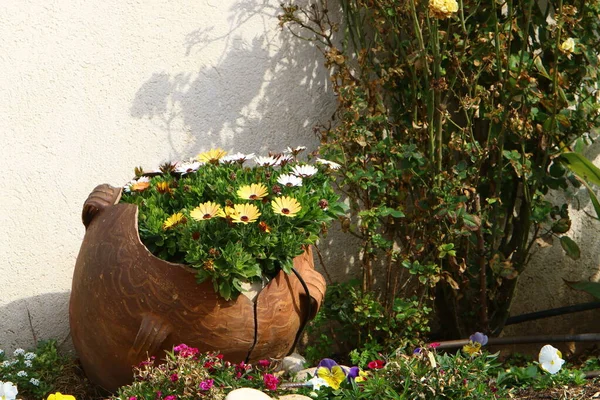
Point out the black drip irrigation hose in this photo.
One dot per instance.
(517, 319)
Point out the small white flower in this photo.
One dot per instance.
(304, 170)
(289, 180)
(550, 359)
(28, 363)
(22, 374)
(284, 158)
(6, 364)
(265, 161)
(18, 352)
(8, 391)
(30, 356)
(330, 164)
(34, 382)
(239, 157)
(296, 150)
(187, 167)
(1, 352)
(317, 383)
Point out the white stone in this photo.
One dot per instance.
(294, 397)
(247, 394)
(293, 363)
(305, 374)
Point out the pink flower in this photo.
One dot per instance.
(207, 384)
(170, 397)
(185, 351)
(133, 398)
(174, 377)
(434, 345)
(270, 381)
(376, 364)
(264, 363)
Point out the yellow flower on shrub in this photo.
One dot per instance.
(245, 213)
(60, 396)
(212, 156)
(568, 45)
(174, 220)
(255, 191)
(207, 210)
(286, 205)
(443, 8)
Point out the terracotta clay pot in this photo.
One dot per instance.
(127, 304)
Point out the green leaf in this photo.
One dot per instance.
(592, 288)
(593, 198)
(582, 167)
(570, 247)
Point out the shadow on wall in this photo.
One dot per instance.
(36, 318)
(262, 94)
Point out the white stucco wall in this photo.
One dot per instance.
(91, 89)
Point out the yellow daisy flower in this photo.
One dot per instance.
(286, 205)
(255, 191)
(245, 213)
(207, 210)
(174, 220)
(211, 156)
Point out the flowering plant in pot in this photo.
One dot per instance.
(231, 222)
(164, 259)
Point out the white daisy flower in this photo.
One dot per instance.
(330, 164)
(284, 158)
(304, 170)
(18, 352)
(289, 180)
(184, 167)
(28, 363)
(30, 356)
(239, 157)
(266, 161)
(22, 374)
(34, 382)
(296, 150)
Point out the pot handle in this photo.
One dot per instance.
(101, 197)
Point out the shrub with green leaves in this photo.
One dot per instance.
(454, 123)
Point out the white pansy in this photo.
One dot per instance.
(550, 359)
(22, 374)
(30, 356)
(18, 352)
(265, 161)
(330, 164)
(304, 170)
(34, 382)
(184, 167)
(8, 391)
(289, 180)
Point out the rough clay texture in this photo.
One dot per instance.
(92, 89)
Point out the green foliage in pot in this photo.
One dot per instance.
(452, 120)
(231, 222)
